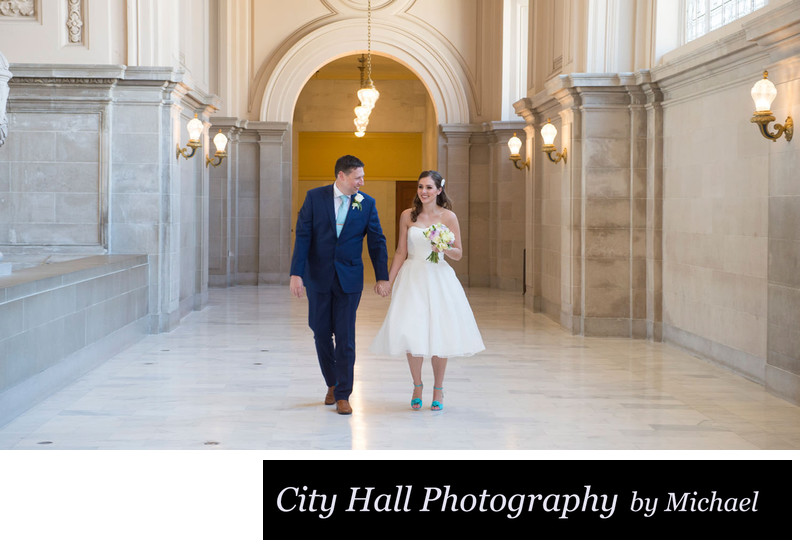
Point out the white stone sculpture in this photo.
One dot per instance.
(5, 76)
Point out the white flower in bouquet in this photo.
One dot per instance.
(357, 201)
(441, 238)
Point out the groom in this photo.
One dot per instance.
(329, 238)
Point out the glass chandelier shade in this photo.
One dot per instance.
(367, 95)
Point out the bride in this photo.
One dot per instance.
(429, 315)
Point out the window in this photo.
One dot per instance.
(703, 16)
(515, 55)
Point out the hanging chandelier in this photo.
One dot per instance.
(368, 95)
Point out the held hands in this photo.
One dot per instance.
(383, 288)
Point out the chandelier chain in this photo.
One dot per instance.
(369, 40)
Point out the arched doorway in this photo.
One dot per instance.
(285, 74)
(401, 140)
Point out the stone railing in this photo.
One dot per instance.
(60, 320)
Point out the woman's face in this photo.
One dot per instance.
(427, 191)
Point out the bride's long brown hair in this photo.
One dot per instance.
(442, 200)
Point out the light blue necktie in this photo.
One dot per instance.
(340, 216)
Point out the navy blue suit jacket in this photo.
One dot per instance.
(318, 253)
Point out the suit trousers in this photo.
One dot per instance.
(332, 318)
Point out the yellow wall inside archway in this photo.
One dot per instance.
(387, 157)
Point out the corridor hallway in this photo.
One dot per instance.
(242, 374)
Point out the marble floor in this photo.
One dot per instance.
(242, 374)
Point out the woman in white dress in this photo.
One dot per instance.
(429, 315)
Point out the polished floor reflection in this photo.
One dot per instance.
(242, 374)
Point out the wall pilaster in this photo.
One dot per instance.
(224, 207)
(274, 201)
(507, 210)
(454, 164)
(595, 228)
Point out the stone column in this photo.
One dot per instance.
(274, 201)
(565, 188)
(605, 201)
(480, 256)
(223, 207)
(654, 199)
(782, 370)
(508, 211)
(533, 281)
(145, 214)
(606, 197)
(454, 165)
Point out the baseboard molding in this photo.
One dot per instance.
(747, 365)
(782, 383)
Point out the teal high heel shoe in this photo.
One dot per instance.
(416, 403)
(436, 405)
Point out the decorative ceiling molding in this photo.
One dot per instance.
(342, 6)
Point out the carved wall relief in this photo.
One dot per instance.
(75, 22)
(17, 8)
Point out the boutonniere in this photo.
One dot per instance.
(357, 201)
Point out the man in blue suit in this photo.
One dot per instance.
(331, 227)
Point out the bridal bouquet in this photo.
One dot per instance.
(441, 238)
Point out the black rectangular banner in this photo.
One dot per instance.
(527, 499)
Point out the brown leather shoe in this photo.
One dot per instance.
(343, 407)
(329, 398)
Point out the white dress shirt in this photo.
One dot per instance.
(338, 195)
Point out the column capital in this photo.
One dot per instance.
(455, 130)
(269, 132)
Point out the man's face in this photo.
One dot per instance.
(349, 183)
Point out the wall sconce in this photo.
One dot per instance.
(763, 93)
(220, 141)
(549, 135)
(195, 128)
(514, 144)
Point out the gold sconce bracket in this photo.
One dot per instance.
(516, 158)
(550, 149)
(217, 159)
(763, 93)
(764, 118)
(194, 145)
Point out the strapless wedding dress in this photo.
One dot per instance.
(429, 314)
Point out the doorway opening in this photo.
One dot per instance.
(400, 142)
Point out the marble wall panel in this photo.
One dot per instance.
(608, 212)
(607, 274)
(716, 215)
(607, 182)
(52, 180)
(607, 242)
(784, 315)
